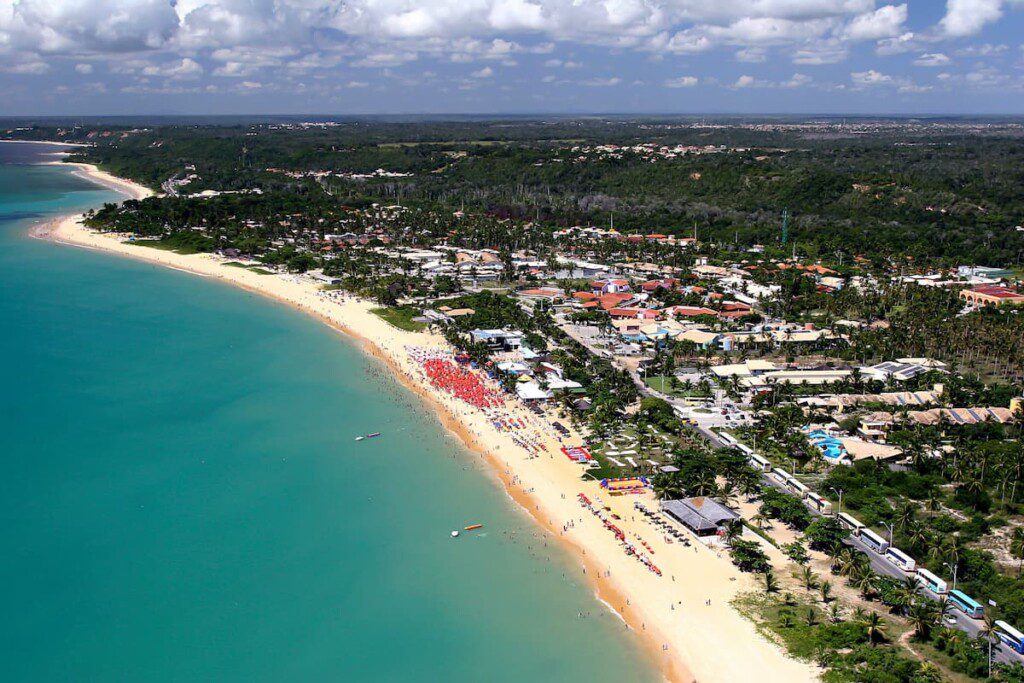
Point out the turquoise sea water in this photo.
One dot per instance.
(182, 499)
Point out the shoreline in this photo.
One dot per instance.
(91, 172)
(47, 142)
(111, 182)
(687, 638)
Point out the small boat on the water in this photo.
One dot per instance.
(471, 527)
(367, 436)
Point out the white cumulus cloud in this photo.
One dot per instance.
(681, 82)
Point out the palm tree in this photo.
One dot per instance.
(864, 581)
(836, 556)
(810, 618)
(923, 616)
(990, 632)
(1017, 547)
(734, 530)
(849, 562)
(771, 584)
(809, 578)
(944, 607)
(835, 613)
(905, 515)
(928, 673)
(760, 520)
(952, 546)
(668, 487)
(826, 591)
(703, 485)
(918, 535)
(875, 627)
(910, 590)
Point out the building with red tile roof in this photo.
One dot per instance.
(992, 295)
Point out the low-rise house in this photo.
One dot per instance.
(628, 327)
(666, 283)
(962, 416)
(550, 294)
(689, 311)
(901, 370)
(806, 377)
(506, 340)
(610, 286)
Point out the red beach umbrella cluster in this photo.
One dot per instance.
(461, 383)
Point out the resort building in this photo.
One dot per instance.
(984, 271)
(962, 416)
(902, 369)
(992, 295)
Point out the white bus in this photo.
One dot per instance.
(873, 540)
(794, 485)
(1010, 636)
(744, 449)
(818, 503)
(850, 522)
(780, 476)
(728, 438)
(760, 463)
(900, 559)
(934, 583)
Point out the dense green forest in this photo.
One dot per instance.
(916, 190)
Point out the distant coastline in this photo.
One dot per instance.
(112, 182)
(91, 171)
(46, 142)
(688, 625)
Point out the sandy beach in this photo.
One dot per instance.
(683, 615)
(133, 190)
(91, 171)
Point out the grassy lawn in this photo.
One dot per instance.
(652, 447)
(160, 244)
(255, 269)
(663, 384)
(401, 317)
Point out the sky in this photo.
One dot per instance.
(181, 57)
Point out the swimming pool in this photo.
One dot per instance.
(830, 446)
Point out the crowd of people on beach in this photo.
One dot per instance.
(461, 382)
(528, 430)
(627, 547)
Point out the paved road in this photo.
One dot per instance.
(878, 562)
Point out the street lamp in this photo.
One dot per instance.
(840, 492)
(953, 567)
(891, 527)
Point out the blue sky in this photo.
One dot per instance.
(510, 56)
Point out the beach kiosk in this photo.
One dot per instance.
(702, 515)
